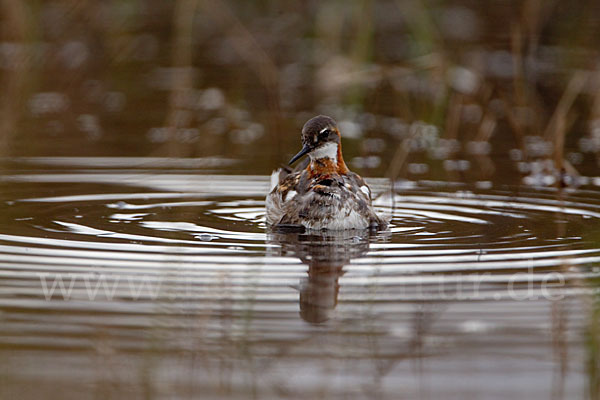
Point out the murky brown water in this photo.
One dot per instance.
(136, 140)
(142, 283)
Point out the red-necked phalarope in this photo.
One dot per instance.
(325, 194)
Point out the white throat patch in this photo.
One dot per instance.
(328, 150)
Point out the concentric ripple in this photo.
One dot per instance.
(220, 227)
(185, 262)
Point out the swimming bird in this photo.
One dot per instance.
(324, 194)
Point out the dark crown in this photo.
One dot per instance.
(319, 129)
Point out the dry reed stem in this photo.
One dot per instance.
(15, 80)
(399, 159)
(182, 57)
(487, 127)
(556, 129)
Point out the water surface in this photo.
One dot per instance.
(163, 282)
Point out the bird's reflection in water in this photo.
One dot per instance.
(325, 253)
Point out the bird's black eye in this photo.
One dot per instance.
(324, 133)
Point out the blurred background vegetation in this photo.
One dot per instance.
(485, 92)
(497, 91)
